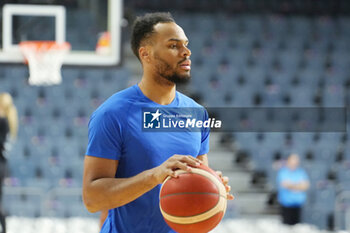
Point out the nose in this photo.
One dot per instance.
(186, 52)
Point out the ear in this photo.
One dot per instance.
(144, 54)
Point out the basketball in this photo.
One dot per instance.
(194, 202)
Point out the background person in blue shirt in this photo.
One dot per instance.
(293, 183)
(124, 166)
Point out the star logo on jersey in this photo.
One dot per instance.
(151, 120)
(156, 115)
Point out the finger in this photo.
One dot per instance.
(224, 180)
(194, 162)
(198, 161)
(180, 165)
(171, 173)
(230, 196)
(219, 173)
(228, 188)
(191, 161)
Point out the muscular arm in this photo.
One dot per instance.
(102, 191)
(104, 213)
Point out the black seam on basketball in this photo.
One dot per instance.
(206, 193)
(218, 188)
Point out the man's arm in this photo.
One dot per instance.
(103, 216)
(102, 191)
(301, 186)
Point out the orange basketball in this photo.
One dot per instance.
(194, 202)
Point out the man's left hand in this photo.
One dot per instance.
(225, 182)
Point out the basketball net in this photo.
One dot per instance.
(45, 60)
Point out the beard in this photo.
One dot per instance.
(165, 71)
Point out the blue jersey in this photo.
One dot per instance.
(290, 198)
(115, 132)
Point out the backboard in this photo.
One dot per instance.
(92, 27)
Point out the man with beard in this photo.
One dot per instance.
(125, 166)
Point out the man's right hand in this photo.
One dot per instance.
(175, 162)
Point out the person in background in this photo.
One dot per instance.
(8, 129)
(292, 183)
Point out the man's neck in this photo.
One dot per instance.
(161, 93)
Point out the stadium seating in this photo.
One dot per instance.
(238, 61)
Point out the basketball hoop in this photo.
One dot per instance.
(45, 60)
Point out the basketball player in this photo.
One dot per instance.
(125, 166)
(8, 123)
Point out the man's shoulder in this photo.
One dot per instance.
(118, 102)
(186, 101)
(301, 171)
(122, 97)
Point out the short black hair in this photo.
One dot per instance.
(144, 27)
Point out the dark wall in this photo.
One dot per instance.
(308, 7)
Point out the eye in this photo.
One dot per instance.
(173, 46)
